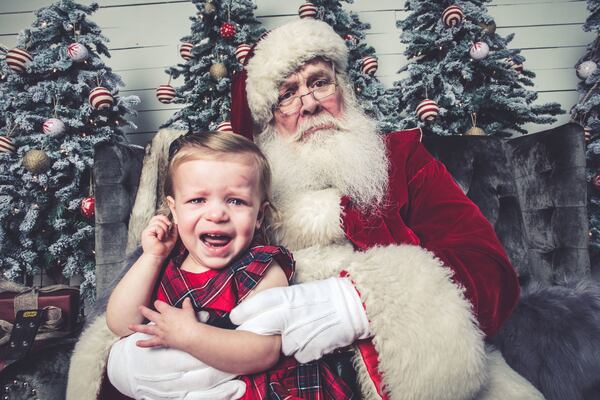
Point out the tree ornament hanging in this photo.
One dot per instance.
(351, 38)
(100, 98)
(369, 65)
(53, 126)
(475, 130)
(586, 69)
(479, 50)
(241, 52)
(515, 65)
(165, 93)
(69, 27)
(218, 71)
(224, 126)
(36, 161)
(596, 180)
(452, 16)
(307, 10)
(587, 133)
(227, 30)
(77, 52)
(7, 145)
(488, 27)
(209, 8)
(185, 50)
(18, 59)
(427, 110)
(88, 207)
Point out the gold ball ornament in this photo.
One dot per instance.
(475, 131)
(209, 8)
(218, 71)
(36, 161)
(489, 28)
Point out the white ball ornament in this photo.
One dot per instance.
(18, 59)
(100, 98)
(241, 52)
(369, 65)
(586, 69)
(165, 93)
(224, 126)
(427, 110)
(452, 16)
(77, 52)
(54, 126)
(307, 10)
(479, 50)
(185, 50)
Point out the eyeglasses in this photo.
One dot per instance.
(319, 91)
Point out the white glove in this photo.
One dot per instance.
(313, 318)
(167, 374)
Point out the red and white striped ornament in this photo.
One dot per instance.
(224, 126)
(241, 52)
(77, 52)
(17, 59)
(227, 30)
(101, 98)
(479, 50)
(369, 65)
(7, 145)
(515, 65)
(185, 50)
(427, 110)
(596, 180)
(165, 93)
(587, 133)
(53, 126)
(307, 10)
(452, 16)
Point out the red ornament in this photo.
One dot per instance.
(227, 30)
(351, 38)
(596, 180)
(88, 207)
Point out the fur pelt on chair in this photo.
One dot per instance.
(553, 340)
(150, 191)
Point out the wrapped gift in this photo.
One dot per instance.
(59, 302)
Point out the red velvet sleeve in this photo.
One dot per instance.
(451, 226)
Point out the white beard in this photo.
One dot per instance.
(351, 158)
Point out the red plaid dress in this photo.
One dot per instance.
(218, 291)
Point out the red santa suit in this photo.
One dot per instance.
(431, 272)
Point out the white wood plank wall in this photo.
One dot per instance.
(144, 35)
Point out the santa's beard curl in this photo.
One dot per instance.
(351, 157)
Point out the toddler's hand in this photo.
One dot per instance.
(159, 237)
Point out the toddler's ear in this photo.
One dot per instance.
(261, 214)
(171, 203)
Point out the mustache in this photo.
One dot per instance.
(318, 122)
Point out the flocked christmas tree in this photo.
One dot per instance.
(57, 100)
(461, 77)
(587, 113)
(379, 103)
(218, 30)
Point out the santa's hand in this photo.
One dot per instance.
(161, 374)
(313, 318)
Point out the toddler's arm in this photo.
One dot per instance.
(136, 287)
(234, 351)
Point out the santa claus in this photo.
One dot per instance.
(392, 258)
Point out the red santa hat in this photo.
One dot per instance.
(274, 58)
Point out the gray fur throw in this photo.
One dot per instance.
(553, 340)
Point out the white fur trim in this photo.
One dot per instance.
(280, 53)
(367, 387)
(427, 338)
(309, 219)
(506, 383)
(150, 191)
(89, 361)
